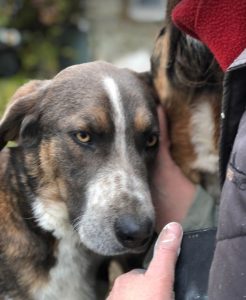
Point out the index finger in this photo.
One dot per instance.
(166, 252)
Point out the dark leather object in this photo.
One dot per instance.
(192, 270)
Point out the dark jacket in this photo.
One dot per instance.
(227, 280)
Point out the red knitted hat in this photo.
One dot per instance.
(219, 24)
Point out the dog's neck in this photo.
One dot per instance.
(46, 249)
(18, 182)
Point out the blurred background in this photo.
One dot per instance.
(40, 37)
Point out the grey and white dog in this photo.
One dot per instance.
(77, 183)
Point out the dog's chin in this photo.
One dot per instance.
(119, 251)
(113, 249)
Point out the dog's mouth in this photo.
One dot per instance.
(126, 234)
(120, 249)
(141, 248)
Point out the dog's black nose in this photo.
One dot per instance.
(131, 232)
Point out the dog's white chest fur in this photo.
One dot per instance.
(66, 278)
(69, 278)
(203, 130)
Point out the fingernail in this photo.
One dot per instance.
(169, 234)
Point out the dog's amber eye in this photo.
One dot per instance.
(83, 137)
(152, 141)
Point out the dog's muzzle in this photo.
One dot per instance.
(118, 216)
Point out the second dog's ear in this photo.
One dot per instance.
(146, 78)
(22, 106)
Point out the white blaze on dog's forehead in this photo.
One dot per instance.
(115, 99)
(122, 176)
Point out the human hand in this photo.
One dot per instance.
(156, 283)
(172, 192)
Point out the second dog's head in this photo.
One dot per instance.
(188, 82)
(87, 139)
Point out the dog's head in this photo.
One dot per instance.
(182, 64)
(87, 138)
(188, 82)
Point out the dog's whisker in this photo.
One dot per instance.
(77, 225)
(75, 222)
(29, 218)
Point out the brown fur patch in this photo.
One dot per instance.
(216, 117)
(33, 165)
(20, 247)
(160, 56)
(100, 116)
(53, 186)
(141, 119)
(93, 117)
(47, 160)
(182, 150)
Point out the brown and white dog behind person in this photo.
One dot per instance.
(188, 82)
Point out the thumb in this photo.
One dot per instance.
(166, 252)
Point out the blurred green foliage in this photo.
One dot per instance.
(41, 24)
(7, 88)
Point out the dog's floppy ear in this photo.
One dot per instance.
(170, 6)
(180, 62)
(21, 110)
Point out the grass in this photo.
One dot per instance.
(7, 88)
